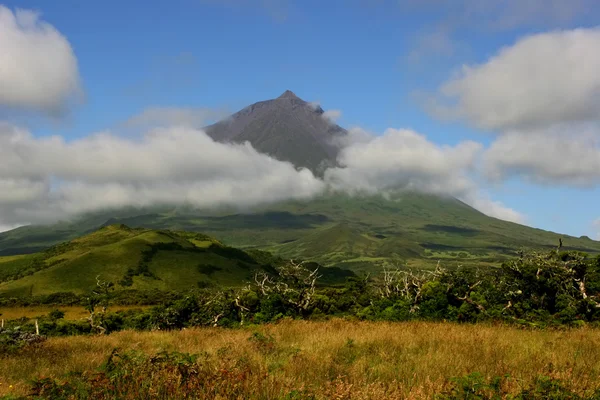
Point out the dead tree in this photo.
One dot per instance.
(467, 297)
(407, 285)
(295, 283)
(99, 297)
(238, 303)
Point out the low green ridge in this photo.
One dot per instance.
(132, 258)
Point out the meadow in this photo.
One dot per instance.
(72, 313)
(335, 359)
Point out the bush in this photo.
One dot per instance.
(474, 386)
(14, 339)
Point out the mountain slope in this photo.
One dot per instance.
(413, 227)
(287, 128)
(359, 233)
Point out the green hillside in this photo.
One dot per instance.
(359, 233)
(364, 232)
(133, 259)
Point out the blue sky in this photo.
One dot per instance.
(379, 62)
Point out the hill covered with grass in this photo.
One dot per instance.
(142, 259)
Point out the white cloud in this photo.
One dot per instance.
(541, 97)
(453, 21)
(542, 80)
(193, 117)
(38, 69)
(48, 178)
(20, 191)
(546, 157)
(332, 116)
(316, 105)
(404, 159)
(496, 209)
(511, 14)
(4, 228)
(596, 226)
(43, 179)
(438, 41)
(502, 14)
(353, 136)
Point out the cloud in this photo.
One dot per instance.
(403, 159)
(315, 105)
(38, 69)
(596, 226)
(492, 208)
(541, 80)
(332, 116)
(502, 14)
(4, 228)
(437, 41)
(546, 157)
(44, 179)
(454, 20)
(194, 117)
(541, 98)
(506, 15)
(406, 160)
(19, 191)
(353, 136)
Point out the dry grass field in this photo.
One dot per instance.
(334, 359)
(72, 313)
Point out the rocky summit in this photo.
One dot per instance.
(286, 128)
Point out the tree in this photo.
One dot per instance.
(97, 305)
(294, 283)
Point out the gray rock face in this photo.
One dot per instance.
(286, 128)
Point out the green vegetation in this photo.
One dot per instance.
(139, 260)
(358, 233)
(535, 290)
(15, 267)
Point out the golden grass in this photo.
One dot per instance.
(384, 360)
(72, 313)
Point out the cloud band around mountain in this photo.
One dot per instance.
(45, 179)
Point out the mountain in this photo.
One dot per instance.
(354, 232)
(286, 128)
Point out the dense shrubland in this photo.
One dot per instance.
(538, 290)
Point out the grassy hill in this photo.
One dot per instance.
(132, 258)
(359, 233)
